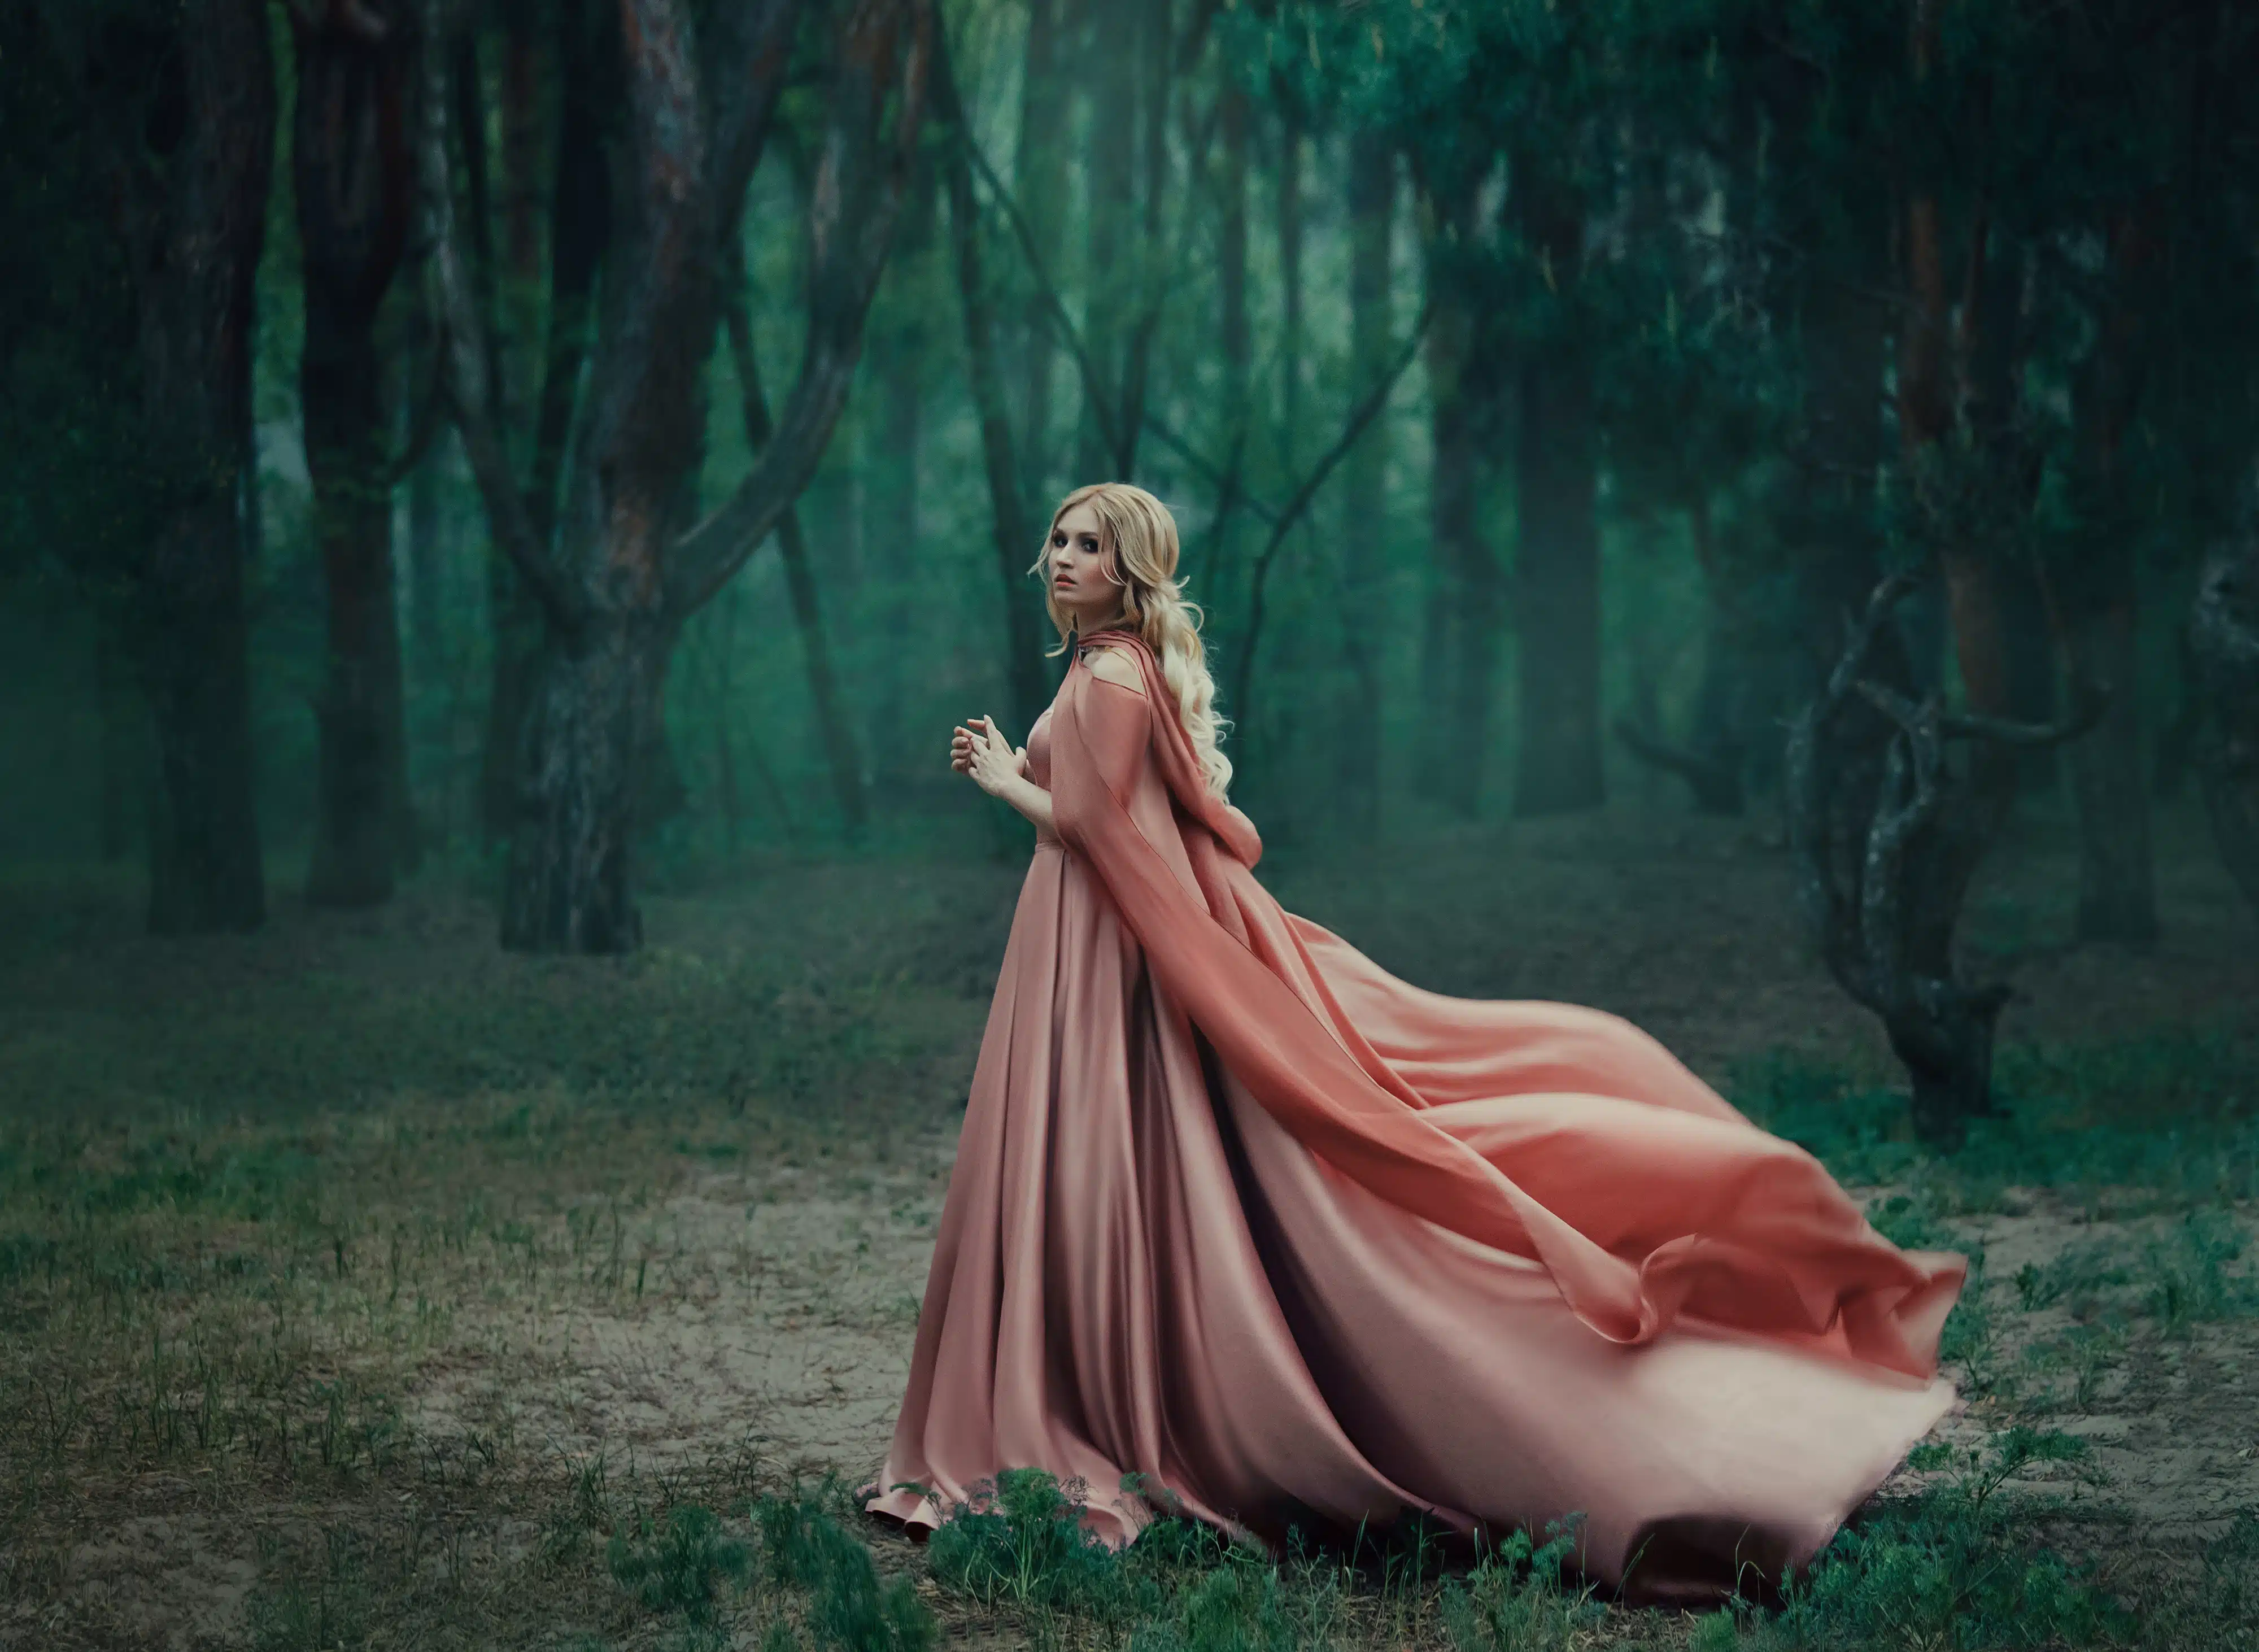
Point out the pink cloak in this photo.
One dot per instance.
(1236, 1210)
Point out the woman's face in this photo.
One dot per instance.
(1079, 571)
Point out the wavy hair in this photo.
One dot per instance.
(1138, 540)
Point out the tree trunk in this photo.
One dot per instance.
(1445, 768)
(621, 580)
(1558, 571)
(1357, 748)
(843, 758)
(1290, 284)
(2223, 644)
(124, 755)
(1111, 177)
(352, 171)
(195, 230)
(1040, 174)
(2093, 606)
(1234, 339)
(1014, 534)
(567, 889)
(1719, 742)
(579, 232)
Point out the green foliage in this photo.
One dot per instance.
(851, 1606)
(1229, 1608)
(1514, 1599)
(1952, 1567)
(2186, 1273)
(1023, 1540)
(313, 1608)
(682, 1567)
(2174, 1114)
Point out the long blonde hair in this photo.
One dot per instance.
(1139, 540)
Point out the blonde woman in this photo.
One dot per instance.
(1237, 1211)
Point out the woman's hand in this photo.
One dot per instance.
(981, 751)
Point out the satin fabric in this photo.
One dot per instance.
(1237, 1212)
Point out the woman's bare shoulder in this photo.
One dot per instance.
(1115, 665)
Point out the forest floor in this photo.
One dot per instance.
(361, 1286)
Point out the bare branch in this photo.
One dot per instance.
(845, 762)
(1069, 334)
(751, 46)
(1206, 468)
(1362, 414)
(886, 48)
(2089, 702)
(1859, 639)
(1711, 775)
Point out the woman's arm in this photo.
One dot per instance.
(981, 751)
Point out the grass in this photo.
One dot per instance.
(302, 1260)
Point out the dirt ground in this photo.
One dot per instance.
(774, 1289)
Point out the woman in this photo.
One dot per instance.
(1235, 1211)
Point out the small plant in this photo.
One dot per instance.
(2078, 1278)
(1514, 1599)
(317, 1611)
(1023, 1539)
(683, 1568)
(1950, 1569)
(850, 1606)
(1226, 1609)
(2187, 1274)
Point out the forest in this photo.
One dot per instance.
(1743, 513)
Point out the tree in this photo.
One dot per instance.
(615, 579)
(180, 121)
(353, 174)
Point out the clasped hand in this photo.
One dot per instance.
(980, 749)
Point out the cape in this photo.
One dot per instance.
(1644, 1195)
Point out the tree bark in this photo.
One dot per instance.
(892, 496)
(1235, 338)
(188, 176)
(351, 170)
(579, 234)
(1014, 534)
(124, 755)
(1112, 175)
(1357, 746)
(1446, 769)
(1291, 325)
(2223, 644)
(1039, 174)
(843, 758)
(1558, 571)
(619, 582)
(2093, 606)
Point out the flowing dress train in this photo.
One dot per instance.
(1236, 1210)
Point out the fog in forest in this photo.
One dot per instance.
(1741, 515)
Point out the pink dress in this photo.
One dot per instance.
(1235, 1210)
